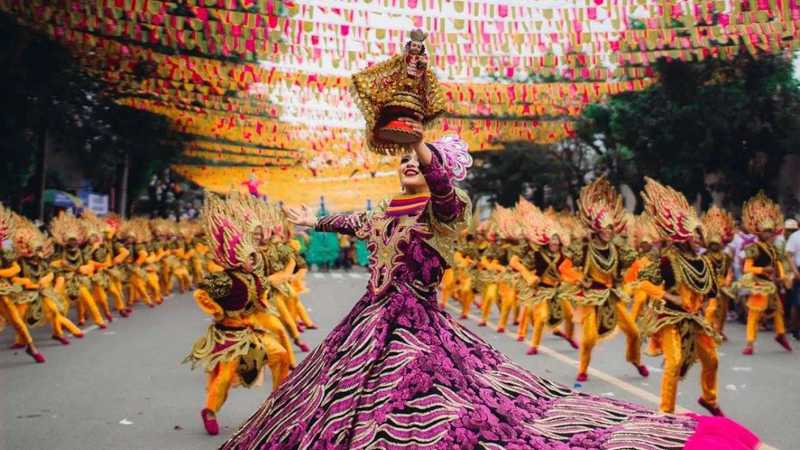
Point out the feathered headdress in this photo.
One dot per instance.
(507, 223)
(600, 207)
(113, 223)
(761, 214)
(642, 228)
(7, 223)
(92, 224)
(539, 227)
(254, 212)
(672, 215)
(718, 226)
(230, 237)
(66, 227)
(28, 239)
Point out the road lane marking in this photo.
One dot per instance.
(597, 373)
(89, 328)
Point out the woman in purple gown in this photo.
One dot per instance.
(398, 372)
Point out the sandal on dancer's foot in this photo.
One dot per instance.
(61, 339)
(532, 351)
(210, 422)
(582, 377)
(747, 350)
(571, 341)
(38, 357)
(16, 346)
(642, 369)
(714, 410)
(783, 342)
(301, 345)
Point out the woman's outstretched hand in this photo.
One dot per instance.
(300, 216)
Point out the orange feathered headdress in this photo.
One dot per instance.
(672, 215)
(7, 223)
(761, 214)
(718, 226)
(539, 227)
(642, 229)
(600, 207)
(230, 236)
(66, 227)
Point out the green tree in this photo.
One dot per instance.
(52, 105)
(737, 119)
(548, 174)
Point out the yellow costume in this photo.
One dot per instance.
(76, 269)
(601, 305)
(676, 320)
(764, 273)
(235, 349)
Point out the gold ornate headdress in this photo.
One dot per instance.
(761, 214)
(66, 227)
(600, 207)
(672, 215)
(642, 229)
(718, 226)
(392, 89)
(230, 237)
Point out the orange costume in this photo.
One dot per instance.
(764, 273)
(600, 304)
(676, 320)
(548, 274)
(235, 349)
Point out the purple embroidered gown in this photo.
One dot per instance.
(398, 372)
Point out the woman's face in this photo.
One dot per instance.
(555, 244)
(605, 235)
(410, 175)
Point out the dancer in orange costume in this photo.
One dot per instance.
(510, 233)
(9, 269)
(70, 234)
(281, 265)
(464, 274)
(718, 227)
(118, 255)
(644, 238)
(262, 219)
(491, 267)
(676, 320)
(99, 255)
(235, 349)
(131, 244)
(39, 302)
(763, 268)
(549, 276)
(600, 303)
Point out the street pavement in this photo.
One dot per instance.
(125, 387)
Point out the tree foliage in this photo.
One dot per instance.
(548, 174)
(49, 97)
(737, 119)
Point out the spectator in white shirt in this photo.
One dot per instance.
(792, 250)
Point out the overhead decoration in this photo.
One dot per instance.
(263, 87)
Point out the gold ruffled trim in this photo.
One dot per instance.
(246, 344)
